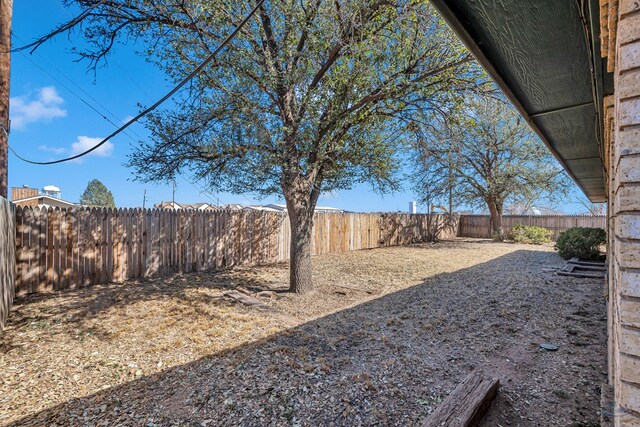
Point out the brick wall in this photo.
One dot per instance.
(621, 25)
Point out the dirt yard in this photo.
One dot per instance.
(386, 336)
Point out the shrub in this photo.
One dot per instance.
(581, 242)
(530, 234)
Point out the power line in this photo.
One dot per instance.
(199, 188)
(76, 85)
(112, 60)
(158, 103)
(84, 101)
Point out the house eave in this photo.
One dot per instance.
(545, 57)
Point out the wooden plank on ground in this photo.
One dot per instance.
(467, 404)
(248, 300)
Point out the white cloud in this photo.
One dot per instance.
(127, 119)
(43, 107)
(83, 143)
(54, 150)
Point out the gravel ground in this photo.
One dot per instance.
(386, 335)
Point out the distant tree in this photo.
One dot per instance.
(484, 154)
(525, 205)
(519, 207)
(97, 195)
(590, 208)
(311, 96)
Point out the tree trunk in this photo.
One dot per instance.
(301, 205)
(495, 210)
(300, 277)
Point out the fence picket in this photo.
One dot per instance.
(58, 249)
(479, 225)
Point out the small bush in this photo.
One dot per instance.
(581, 242)
(530, 234)
(497, 237)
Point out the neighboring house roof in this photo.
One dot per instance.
(199, 206)
(517, 210)
(534, 210)
(233, 206)
(276, 207)
(545, 56)
(262, 208)
(46, 200)
(328, 209)
(323, 209)
(167, 205)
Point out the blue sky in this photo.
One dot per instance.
(53, 103)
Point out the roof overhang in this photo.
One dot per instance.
(545, 56)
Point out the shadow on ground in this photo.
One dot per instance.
(388, 361)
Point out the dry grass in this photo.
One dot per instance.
(79, 342)
(178, 349)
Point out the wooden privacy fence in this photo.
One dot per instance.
(58, 249)
(480, 226)
(7, 258)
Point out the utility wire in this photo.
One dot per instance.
(112, 60)
(157, 104)
(64, 86)
(49, 64)
(200, 189)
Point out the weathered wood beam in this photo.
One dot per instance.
(467, 404)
